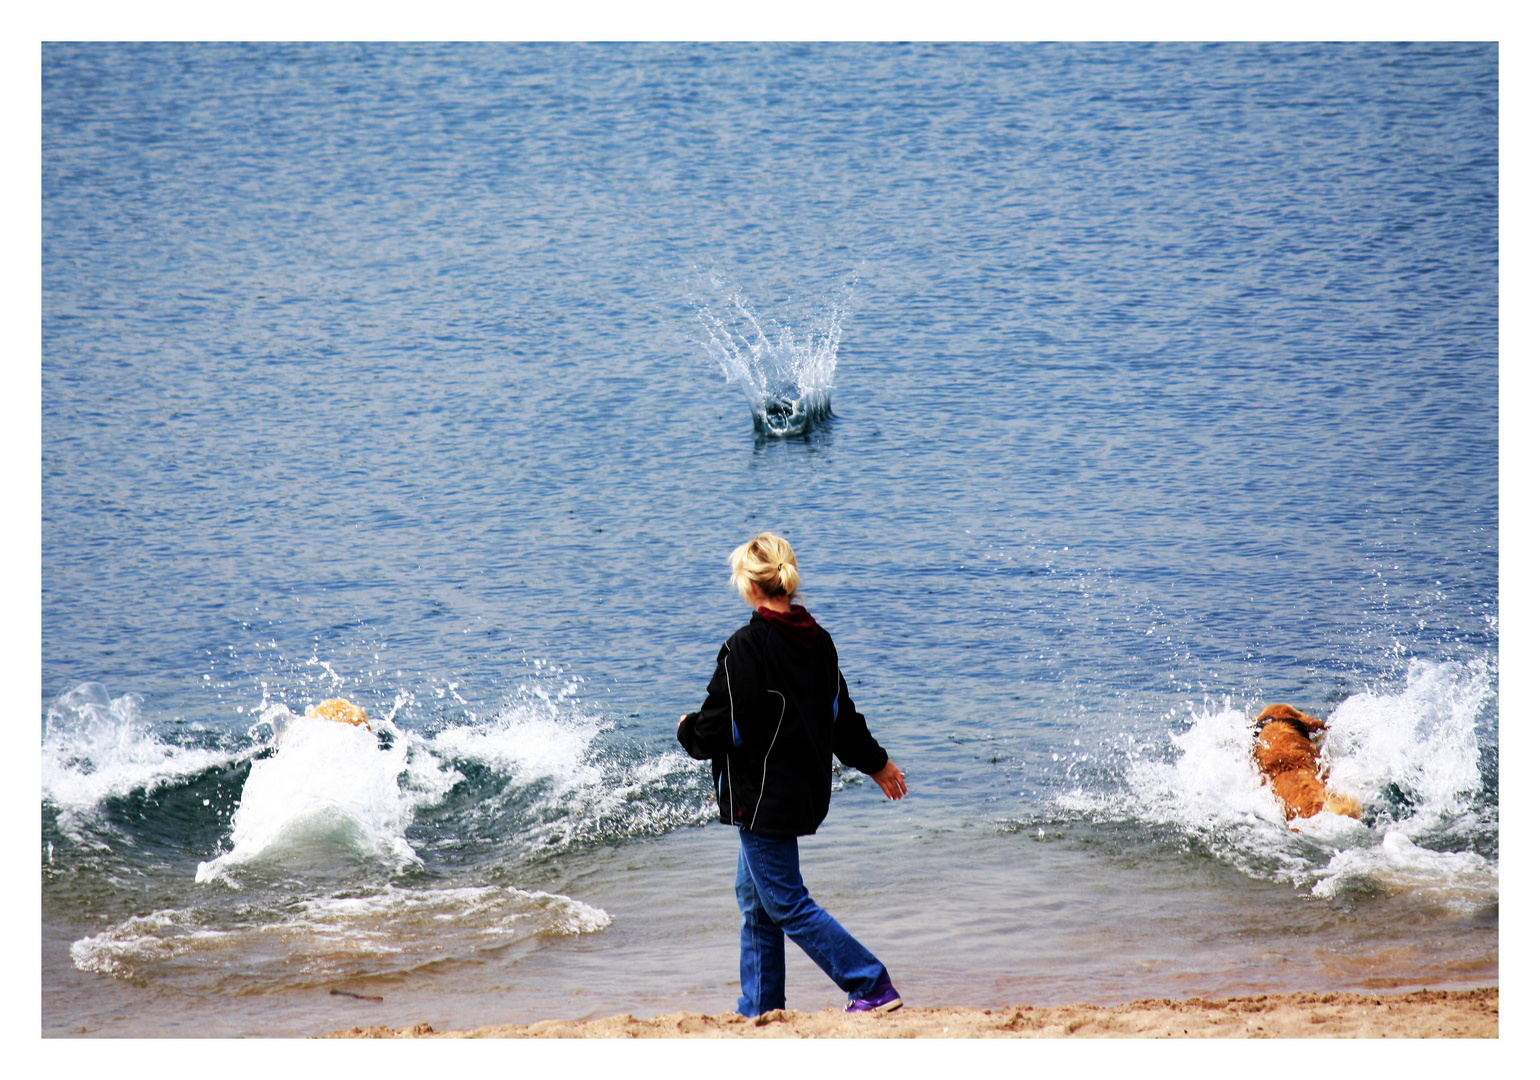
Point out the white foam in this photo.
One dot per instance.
(1459, 880)
(96, 747)
(330, 784)
(392, 929)
(333, 787)
(1421, 739)
(552, 743)
(1418, 740)
(1213, 779)
(528, 740)
(143, 938)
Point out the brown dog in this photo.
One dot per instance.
(341, 710)
(1289, 759)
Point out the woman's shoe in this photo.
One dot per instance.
(884, 998)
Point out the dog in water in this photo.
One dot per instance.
(342, 711)
(1287, 755)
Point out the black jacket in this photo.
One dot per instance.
(776, 711)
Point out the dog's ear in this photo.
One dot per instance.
(1309, 724)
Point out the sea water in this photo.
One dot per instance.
(1108, 394)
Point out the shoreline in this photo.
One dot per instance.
(1458, 1014)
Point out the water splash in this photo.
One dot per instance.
(97, 747)
(330, 785)
(529, 741)
(549, 779)
(306, 799)
(1454, 880)
(543, 773)
(787, 375)
(1414, 749)
(1409, 754)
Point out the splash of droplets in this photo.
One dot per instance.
(786, 373)
(97, 747)
(1408, 753)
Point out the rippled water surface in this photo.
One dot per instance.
(1128, 389)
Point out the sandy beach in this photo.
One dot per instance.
(1426, 1014)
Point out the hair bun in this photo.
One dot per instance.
(766, 563)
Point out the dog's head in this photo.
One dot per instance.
(1307, 724)
(341, 710)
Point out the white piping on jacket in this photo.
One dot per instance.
(766, 773)
(732, 721)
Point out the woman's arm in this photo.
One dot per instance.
(712, 732)
(853, 743)
(855, 746)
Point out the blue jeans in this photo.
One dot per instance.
(775, 906)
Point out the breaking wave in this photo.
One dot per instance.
(334, 840)
(301, 798)
(553, 780)
(313, 798)
(97, 747)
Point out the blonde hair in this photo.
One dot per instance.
(766, 562)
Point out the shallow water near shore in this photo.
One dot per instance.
(1107, 393)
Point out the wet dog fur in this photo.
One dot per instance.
(1286, 753)
(340, 710)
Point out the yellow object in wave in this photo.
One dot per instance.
(340, 710)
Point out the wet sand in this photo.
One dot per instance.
(1458, 1014)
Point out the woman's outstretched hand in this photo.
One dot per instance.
(891, 781)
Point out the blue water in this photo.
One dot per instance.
(1162, 385)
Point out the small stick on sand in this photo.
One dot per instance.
(360, 997)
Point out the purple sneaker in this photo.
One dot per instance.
(883, 998)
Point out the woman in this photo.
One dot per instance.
(777, 709)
